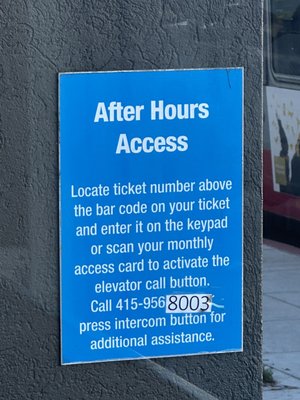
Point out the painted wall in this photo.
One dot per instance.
(38, 40)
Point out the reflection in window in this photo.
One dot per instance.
(285, 29)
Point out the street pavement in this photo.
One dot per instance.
(281, 320)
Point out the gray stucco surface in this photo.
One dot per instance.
(39, 39)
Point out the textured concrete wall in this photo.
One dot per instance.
(38, 39)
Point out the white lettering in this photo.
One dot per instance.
(181, 111)
(117, 112)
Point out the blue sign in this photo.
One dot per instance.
(150, 213)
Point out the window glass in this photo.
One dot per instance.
(285, 36)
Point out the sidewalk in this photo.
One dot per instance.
(281, 320)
